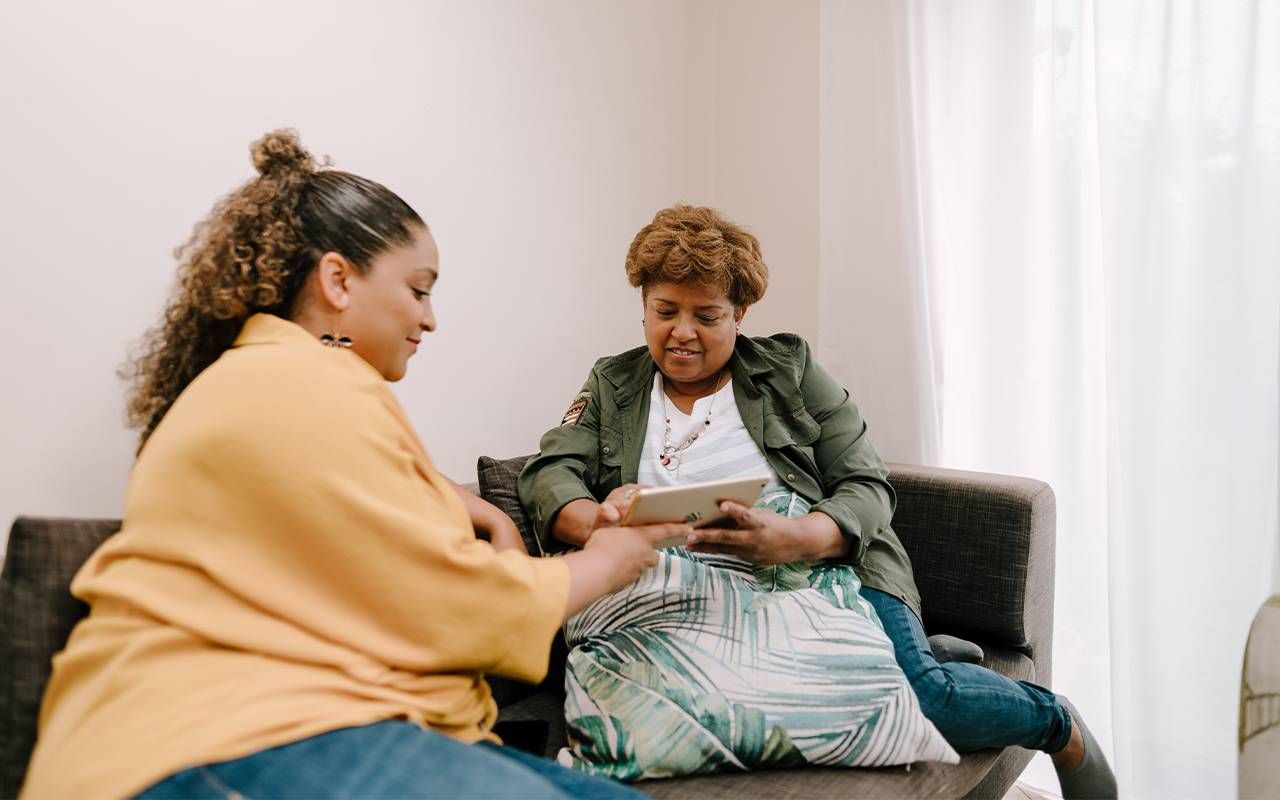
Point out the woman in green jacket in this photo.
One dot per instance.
(700, 401)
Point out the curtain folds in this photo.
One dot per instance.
(1066, 222)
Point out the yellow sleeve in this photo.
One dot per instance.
(315, 501)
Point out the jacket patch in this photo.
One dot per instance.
(579, 404)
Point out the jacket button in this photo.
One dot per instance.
(791, 476)
(605, 450)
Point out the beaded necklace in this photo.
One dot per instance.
(672, 454)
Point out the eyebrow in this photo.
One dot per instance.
(429, 272)
(711, 307)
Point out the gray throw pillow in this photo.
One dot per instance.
(37, 613)
(497, 479)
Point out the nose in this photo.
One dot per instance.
(428, 321)
(684, 330)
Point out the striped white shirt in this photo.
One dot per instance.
(724, 449)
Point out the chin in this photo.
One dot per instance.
(683, 370)
(395, 373)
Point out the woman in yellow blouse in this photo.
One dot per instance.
(297, 604)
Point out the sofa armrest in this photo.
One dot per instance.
(982, 548)
(37, 612)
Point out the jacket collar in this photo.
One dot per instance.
(748, 362)
(628, 373)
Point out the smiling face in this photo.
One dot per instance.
(690, 329)
(389, 308)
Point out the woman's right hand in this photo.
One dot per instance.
(633, 550)
(613, 558)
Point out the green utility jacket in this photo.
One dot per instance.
(802, 420)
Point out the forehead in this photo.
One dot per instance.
(420, 258)
(687, 294)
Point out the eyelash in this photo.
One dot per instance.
(418, 294)
(703, 320)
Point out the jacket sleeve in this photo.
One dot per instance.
(567, 464)
(856, 490)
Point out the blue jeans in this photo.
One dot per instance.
(971, 706)
(392, 759)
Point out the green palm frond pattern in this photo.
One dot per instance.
(710, 664)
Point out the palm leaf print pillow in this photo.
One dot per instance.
(710, 664)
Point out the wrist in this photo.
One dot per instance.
(592, 574)
(824, 538)
(575, 521)
(837, 546)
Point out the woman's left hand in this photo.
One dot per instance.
(503, 534)
(767, 537)
(489, 521)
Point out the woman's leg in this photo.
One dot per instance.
(392, 759)
(971, 706)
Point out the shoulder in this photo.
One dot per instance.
(783, 356)
(635, 366)
(272, 352)
(624, 361)
(264, 396)
(779, 345)
(298, 377)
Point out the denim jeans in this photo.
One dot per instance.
(392, 759)
(971, 706)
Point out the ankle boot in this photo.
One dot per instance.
(1092, 779)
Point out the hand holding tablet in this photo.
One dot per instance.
(697, 504)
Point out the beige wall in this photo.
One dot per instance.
(535, 137)
(874, 325)
(760, 62)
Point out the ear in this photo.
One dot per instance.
(742, 312)
(333, 275)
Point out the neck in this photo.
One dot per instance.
(310, 322)
(693, 390)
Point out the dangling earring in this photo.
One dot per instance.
(334, 339)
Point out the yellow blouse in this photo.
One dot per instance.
(290, 563)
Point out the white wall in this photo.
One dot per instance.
(873, 327)
(760, 59)
(535, 138)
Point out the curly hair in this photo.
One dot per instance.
(695, 244)
(252, 254)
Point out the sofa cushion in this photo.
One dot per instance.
(37, 613)
(497, 478)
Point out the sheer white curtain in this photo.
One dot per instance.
(1086, 252)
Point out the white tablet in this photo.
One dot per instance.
(697, 504)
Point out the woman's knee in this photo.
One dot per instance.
(935, 689)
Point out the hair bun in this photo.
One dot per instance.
(279, 152)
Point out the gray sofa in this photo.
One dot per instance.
(982, 546)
